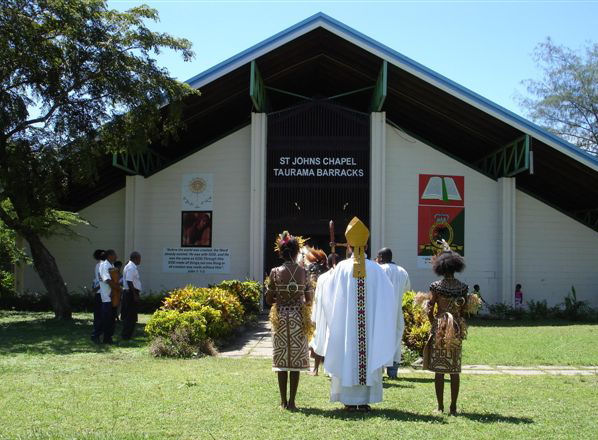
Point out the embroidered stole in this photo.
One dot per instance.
(361, 332)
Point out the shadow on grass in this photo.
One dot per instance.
(410, 379)
(44, 335)
(394, 414)
(396, 384)
(494, 418)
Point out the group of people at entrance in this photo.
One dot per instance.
(356, 308)
(116, 295)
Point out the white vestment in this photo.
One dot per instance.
(340, 309)
(400, 282)
(320, 339)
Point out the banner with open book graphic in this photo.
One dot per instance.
(441, 215)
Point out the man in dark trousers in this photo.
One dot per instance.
(107, 285)
(131, 297)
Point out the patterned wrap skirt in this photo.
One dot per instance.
(442, 358)
(290, 347)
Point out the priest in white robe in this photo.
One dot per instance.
(319, 342)
(400, 282)
(361, 313)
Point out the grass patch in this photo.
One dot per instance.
(55, 384)
(550, 342)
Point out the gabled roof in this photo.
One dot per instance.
(320, 58)
(386, 53)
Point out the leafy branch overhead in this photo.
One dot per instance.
(565, 100)
(77, 81)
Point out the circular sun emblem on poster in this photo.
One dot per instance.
(441, 229)
(197, 185)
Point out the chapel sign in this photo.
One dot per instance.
(317, 165)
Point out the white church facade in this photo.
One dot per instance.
(319, 123)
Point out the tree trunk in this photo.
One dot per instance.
(45, 266)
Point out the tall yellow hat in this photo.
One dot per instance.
(357, 235)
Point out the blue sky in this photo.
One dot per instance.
(483, 45)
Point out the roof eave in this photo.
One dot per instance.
(397, 59)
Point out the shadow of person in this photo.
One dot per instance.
(415, 379)
(43, 335)
(396, 383)
(494, 418)
(383, 413)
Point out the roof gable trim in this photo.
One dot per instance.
(413, 67)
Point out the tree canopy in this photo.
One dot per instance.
(565, 99)
(77, 81)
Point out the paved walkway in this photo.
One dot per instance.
(257, 342)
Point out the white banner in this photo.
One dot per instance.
(196, 260)
(197, 192)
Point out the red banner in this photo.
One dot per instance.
(441, 215)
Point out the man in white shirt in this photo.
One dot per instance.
(98, 255)
(400, 282)
(106, 286)
(132, 285)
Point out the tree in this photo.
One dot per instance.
(565, 100)
(77, 81)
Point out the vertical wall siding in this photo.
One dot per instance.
(406, 158)
(74, 257)
(229, 162)
(554, 252)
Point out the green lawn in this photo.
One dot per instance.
(531, 343)
(54, 384)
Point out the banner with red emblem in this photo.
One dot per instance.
(441, 215)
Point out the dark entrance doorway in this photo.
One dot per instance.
(318, 169)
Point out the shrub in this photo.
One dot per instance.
(417, 324)
(500, 310)
(165, 323)
(180, 344)
(408, 356)
(7, 282)
(247, 292)
(537, 309)
(190, 318)
(195, 298)
(575, 310)
(81, 301)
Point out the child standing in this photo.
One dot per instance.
(518, 296)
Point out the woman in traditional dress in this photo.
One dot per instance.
(289, 292)
(442, 353)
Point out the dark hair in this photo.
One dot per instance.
(97, 254)
(476, 287)
(447, 263)
(118, 264)
(331, 257)
(385, 255)
(289, 249)
(108, 253)
(518, 286)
